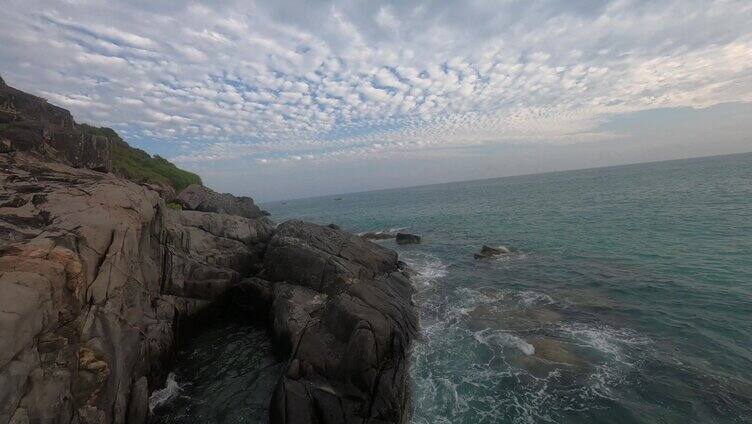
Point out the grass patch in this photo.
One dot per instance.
(176, 206)
(137, 165)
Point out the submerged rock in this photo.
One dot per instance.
(491, 252)
(406, 238)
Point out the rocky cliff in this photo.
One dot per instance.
(29, 123)
(97, 276)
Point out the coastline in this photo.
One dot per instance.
(100, 277)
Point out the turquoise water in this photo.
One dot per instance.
(628, 297)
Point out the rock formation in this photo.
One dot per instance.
(406, 238)
(490, 252)
(29, 123)
(97, 275)
(342, 313)
(199, 198)
(94, 273)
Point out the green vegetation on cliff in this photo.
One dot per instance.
(137, 165)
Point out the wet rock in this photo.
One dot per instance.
(196, 197)
(491, 252)
(138, 404)
(406, 238)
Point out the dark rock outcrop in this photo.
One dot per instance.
(406, 238)
(29, 123)
(342, 313)
(491, 252)
(199, 198)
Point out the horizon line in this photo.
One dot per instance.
(505, 176)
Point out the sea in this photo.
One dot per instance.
(626, 298)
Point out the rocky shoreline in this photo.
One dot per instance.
(98, 277)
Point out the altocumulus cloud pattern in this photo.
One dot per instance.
(273, 81)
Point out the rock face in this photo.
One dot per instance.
(405, 238)
(342, 313)
(29, 123)
(199, 198)
(213, 251)
(94, 274)
(491, 252)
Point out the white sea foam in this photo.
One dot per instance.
(429, 268)
(165, 395)
(500, 338)
(533, 298)
(607, 340)
(390, 231)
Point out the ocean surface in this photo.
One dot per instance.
(627, 298)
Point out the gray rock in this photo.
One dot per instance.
(196, 197)
(342, 312)
(491, 252)
(212, 252)
(138, 404)
(323, 258)
(85, 261)
(405, 238)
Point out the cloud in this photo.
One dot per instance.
(280, 81)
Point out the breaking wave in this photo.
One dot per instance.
(165, 395)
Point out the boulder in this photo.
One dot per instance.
(342, 313)
(491, 252)
(196, 197)
(405, 238)
(165, 191)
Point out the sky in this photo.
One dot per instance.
(285, 99)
